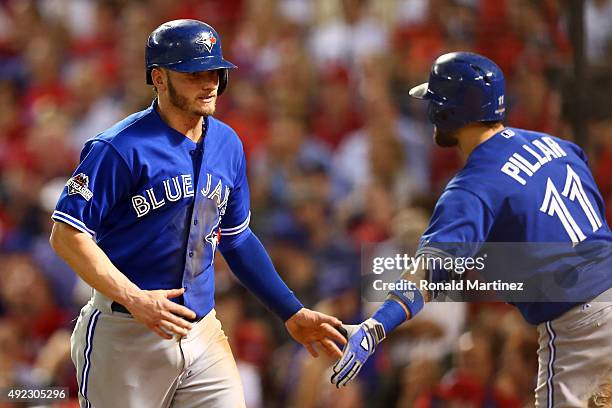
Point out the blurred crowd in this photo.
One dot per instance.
(339, 157)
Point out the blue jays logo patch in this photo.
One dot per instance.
(206, 40)
(213, 238)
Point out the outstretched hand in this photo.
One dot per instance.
(313, 329)
(362, 342)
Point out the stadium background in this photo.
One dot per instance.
(338, 156)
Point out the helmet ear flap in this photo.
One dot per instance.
(438, 115)
(223, 80)
(445, 118)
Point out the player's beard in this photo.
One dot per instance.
(444, 139)
(185, 104)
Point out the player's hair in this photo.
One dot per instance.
(492, 123)
(602, 396)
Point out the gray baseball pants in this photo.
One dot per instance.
(121, 363)
(575, 354)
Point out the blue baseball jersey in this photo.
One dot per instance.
(159, 204)
(536, 193)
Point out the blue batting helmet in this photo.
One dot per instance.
(463, 87)
(186, 46)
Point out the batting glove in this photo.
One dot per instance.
(362, 341)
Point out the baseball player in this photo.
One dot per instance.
(516, 186)
(152, 199)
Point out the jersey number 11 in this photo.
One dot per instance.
(554, 204)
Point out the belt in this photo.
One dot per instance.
(118, 307)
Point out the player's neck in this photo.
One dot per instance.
(474, 134)
(185, 123)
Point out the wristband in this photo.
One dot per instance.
(391, 314)
(411, 298)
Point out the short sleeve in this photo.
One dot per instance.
(582, 155)
(99, 182)
(460, 223)
(237, 215)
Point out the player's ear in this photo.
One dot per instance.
(159, 78)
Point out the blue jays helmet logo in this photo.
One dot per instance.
(207, 40)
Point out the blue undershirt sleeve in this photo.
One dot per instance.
(251, 264)
(459, 225)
